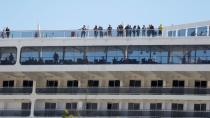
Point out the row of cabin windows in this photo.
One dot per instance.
(10, 83)
(133, 83)
(131, 106)
(112, 83)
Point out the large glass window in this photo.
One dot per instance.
(97, 55)
(182, 32)
(191, 32)
(202, 31)
(8, 56)
(172, 33)
(115, 55)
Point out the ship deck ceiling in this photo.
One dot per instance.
(105, 41)
(103, 75)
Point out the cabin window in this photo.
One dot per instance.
(91, 106)
(135, 83)
(133, 106)
(178, 83)
(50, 106)
(199, 107)
(155, 106)
(93, 83)
(8, 83)
(114, 83)
(52, 83)
(72, 83)
(112, 106)
(157, 83)
(71, 106)
(175, 106)
(27, 83)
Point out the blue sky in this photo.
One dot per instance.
(72, 14)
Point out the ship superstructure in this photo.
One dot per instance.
(45, 72)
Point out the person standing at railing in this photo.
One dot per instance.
(143, 30)
(83, 33)
(160, 30)
(109, 30)
(7, 32)
(138, 30)
(134, 30)
(127, 30)
(95, 31)
(100, 29)
(3, 34)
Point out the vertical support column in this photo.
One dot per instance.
(195, 58)
(186, 83)
(126, 52)
(18, 55)
(85, 52)
(169, 56)
(33, 99)
(106, 53)
(80, 105)
(64, 52)
(208, 84)
(32, 107)
(185, 105)
(40, 53)
(34, 88)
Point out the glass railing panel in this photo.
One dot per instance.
(127, 91)
(11, 91)
(118, 113)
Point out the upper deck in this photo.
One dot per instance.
(171, 49)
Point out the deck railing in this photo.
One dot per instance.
(124, 91)
(15, 90)
(118, 113)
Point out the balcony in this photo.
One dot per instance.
(15, 91)
(92, 113)
(14, 113)
(126, 91)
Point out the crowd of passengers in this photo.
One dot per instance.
(122, 31)
(10, 59)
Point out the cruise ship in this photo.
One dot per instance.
(53, 73)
